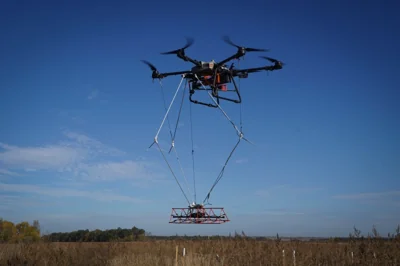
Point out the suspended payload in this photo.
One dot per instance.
(213, 79)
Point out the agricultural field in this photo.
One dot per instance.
(230, 251)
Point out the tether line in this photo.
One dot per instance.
(158, 132)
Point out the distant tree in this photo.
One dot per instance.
(375, 231)
(356, 233)
(36, 225)
(7, 231)
(98, 235)
(278, 241)
(10, 232)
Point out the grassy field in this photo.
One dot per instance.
(231, 252)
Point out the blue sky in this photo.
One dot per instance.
(79, 111)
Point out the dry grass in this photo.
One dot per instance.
(203, 252)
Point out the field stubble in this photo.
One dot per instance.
(202, 252)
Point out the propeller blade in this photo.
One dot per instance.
(228, 41)
(189, 42)
(152, 67)
(247, 49)
(256, 50)
(273, 60)
(172, 52)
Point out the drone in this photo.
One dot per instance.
(214, 76)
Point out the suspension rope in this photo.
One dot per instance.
(173, 135)
(165, 106)
(173, 143)
(193, 165)
(170, 168)
(219, 107)
(158, 145)
(240, 105)
(177, 120)
(240, 134)
(222, 171)
(169, 108)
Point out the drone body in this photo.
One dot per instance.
(214, 76)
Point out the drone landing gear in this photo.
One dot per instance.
(215, 89)
(198, 215)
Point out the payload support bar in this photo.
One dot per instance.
(198, 216)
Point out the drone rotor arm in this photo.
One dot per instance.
(180, 53)
(235, 56)
(244, 72)
(237, 72)
(245, 49)
(184, 57)
(187, 58)
(276, 66)
(164, 75)
(240, 52)
(157, 75)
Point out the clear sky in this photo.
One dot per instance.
(79, 110)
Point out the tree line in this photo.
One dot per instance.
(12, 233)
(119, 234)
(25, 232)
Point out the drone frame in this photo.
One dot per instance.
(200, 71)
(199, 215)
(214, 90)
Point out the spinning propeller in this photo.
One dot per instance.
(276, 62)
(219, 66)
(243, 49)
(181, 51)
(273, 60)
(153, 68)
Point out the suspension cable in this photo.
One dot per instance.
(219, 107)
(240, 134)
(173, 142)
(231, 153)
(173, 135)
(177, 120)
(158, 132)
(165, 106)
(240, 105)
(169, 108)
(170, 168)
(222, 171)
(191, 137)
